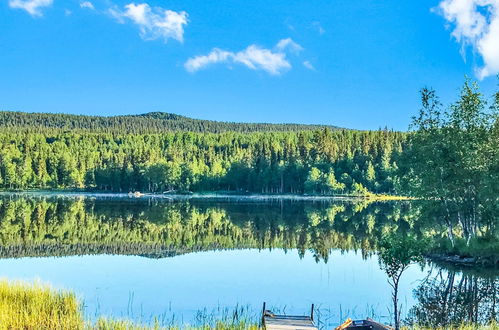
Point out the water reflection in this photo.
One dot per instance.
(158, 228)
(452, 297)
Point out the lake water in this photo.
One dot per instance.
(182, 260)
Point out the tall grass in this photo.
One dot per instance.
(35, 306)
(109, 324)
(492, 326)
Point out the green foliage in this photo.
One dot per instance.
(360, 190)
(484, 249)
(452, 161)
(294, 162)
(397, 252)
(314, 181)
(333, 186)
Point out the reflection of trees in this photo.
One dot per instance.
(62, 226)
(453, 298)
(56, 249)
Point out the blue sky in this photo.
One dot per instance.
(351, 63)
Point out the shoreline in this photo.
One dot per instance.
(463, 262)
(205, 195)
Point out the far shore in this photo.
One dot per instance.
(234, 196)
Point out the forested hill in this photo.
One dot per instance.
(152, 122)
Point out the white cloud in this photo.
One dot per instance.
(33, 7)
(257, 58)
(475, 23)
(254, 57)
(309, 65)
(215, 56)
(153, 23)
(87, 4)
(288, 43)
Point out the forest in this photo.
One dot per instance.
(151, 122)
(321, 161)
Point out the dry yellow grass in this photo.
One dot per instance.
(36, 306)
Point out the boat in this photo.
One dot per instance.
(363, 324)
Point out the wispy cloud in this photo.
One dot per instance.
(196, 63)
(318, 27)
(309, 65)
(273, 61)
(475, 23)
(33, 7)
(288, 44)
(87, 4)
(154, 23)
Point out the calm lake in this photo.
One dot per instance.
(186, 260)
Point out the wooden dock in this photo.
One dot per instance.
(271, 321)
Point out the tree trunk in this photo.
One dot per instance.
(395, 299)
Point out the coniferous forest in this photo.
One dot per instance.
(40, 151)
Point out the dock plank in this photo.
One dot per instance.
(271, 321)
(285, 322)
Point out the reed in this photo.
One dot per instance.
(36, 306)
(492, 326)
(110, 324)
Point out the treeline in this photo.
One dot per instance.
(307, 162)
(153, 122)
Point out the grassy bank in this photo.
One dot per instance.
(35, 306)
(28, 306)
(481, 251)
